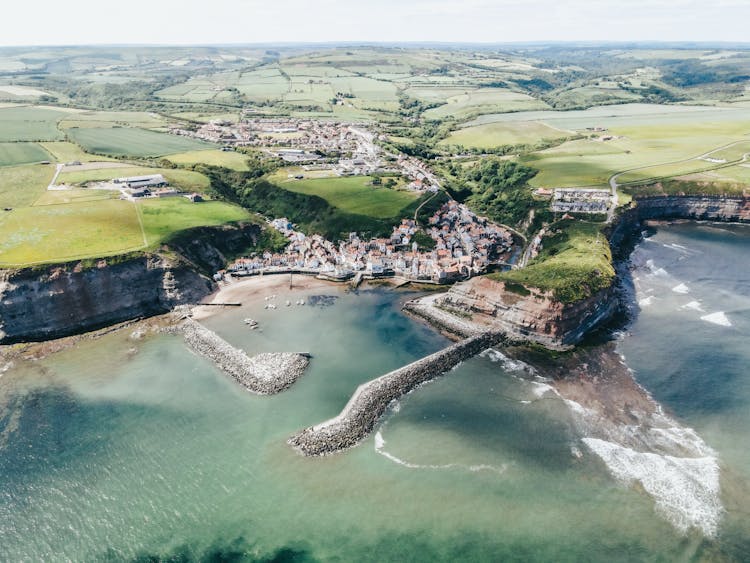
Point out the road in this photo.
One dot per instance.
(58, 169)
(613, 185)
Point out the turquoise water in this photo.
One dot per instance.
(125, 449)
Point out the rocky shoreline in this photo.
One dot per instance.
(370, 401)
(263, 374)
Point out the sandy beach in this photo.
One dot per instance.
(242, 290)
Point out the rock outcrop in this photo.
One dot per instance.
(536, 317)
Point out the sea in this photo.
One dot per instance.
(132, 448)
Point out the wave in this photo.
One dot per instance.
(508, 364)
(646, 302)
(718, 318)
(685, 489)
(380, 449)
(681, 288)
(661, 272)
(694, 305)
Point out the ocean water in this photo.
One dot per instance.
(133, 449)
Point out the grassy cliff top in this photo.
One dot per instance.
(575, 262)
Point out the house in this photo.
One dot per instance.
(194, 197)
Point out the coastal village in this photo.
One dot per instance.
(343, 148)
(464, 245)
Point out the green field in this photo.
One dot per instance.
(64, 151)
(30, 123)
(668, 143)
(22, 185)
(484, 100)
(493, 135)
(87, 229)
(57, 197)
(227, 159)
(65, 232)
(21, 153)
(575, 262)
(164, 217)
(185, 179)
(127, 141)
(352, 194)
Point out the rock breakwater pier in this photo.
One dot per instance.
(371, 399)
(263, 374)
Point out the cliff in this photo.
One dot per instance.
(536, 316)
(58, 300)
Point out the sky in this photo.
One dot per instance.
(87, 22)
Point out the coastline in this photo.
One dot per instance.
(257, 287)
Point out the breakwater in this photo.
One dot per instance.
(263, 374)
(371, 399)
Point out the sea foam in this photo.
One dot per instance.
(694, 305)
(380, 449)
(685, 490)
(681, 288)
(719, 318)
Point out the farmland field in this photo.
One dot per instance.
(227, 159)
(354, 195)
(83, 229)
(64, 151)
(30, 123)
(667, 141)
(498, 134)
(484, 100)
(132, 142)
(21, 153)
(185, 179)
(22, 185)
(66, 232)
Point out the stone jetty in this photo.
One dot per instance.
(264, 374)
(371, 399)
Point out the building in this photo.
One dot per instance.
(138, 182)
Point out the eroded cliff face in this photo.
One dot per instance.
(64, 299)
(68, 299)
(537, 316)
(702, 208)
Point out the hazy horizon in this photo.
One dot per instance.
(247, 22)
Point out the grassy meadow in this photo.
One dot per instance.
(353, 194)
(23, 185)
(575, 262)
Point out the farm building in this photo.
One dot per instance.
(137, 182)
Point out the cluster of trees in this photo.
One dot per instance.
(497, 189)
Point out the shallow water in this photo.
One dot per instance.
(122, 448)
